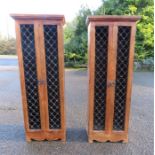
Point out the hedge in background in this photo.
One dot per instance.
(76, 31)
(7, 46)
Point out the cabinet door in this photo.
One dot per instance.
(54, 75)
(100, 80)
(122, 67)
(104, 86)
(101, 66)
(52, 72)
(26, 46)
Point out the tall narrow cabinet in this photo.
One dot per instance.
(111, 42)
(41, 63)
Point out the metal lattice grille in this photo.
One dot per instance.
(101, 41)
(29, 59)
(51, 47)
(121, 76)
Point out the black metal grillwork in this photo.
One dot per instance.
(121, 76)
(101, 49)
(30, 71)
(51, 48)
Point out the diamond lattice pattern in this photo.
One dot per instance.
(121, 76)
(51, 48)
(30, 71)
(101, 41)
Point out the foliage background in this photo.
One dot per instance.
(7, 46)
(75, 32)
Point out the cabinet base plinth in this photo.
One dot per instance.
(100, 136)
(47, 135)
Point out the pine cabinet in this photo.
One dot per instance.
(111, 42)
(41, 63)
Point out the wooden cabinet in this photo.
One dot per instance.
(41, 64)
(111, 42)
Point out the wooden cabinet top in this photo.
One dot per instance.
(112, 18)
(60, 18)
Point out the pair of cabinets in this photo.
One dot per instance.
(41, 62)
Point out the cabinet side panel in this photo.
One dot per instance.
(101, 50)
(52, 72)
(91, 72)
(30, 72)
(123, 47)
(61, 77)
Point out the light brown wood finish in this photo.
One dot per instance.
(113, 22)
(130, 76)
(38, 21)
(112, 18)
(38, 49)
(46, 17)
(91, 73)
(61, 78)
(22, 77)
(111, 77)
(42, 69)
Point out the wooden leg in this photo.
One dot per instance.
(28, 139)
(125, 141)
(64, 140)
(90, 140)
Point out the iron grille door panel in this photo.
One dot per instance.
(52, 71)
(123, 46)
(101, 49)
(30, 71)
